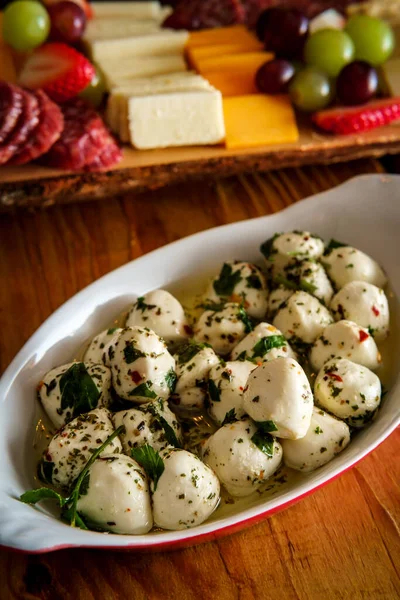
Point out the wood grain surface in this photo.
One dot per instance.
(343, 542)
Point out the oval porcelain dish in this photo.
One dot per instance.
(364, 212)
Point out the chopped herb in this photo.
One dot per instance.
(335, 391)
(50, 386)
(46, 471)
(189, 351)
(151, 462)
(267, 248)
(169, 433)
(143, 390)
(266, 344)
(349, 266)
(371, 331)
(141, 304)
(230, 417)
(227, 280)
(78, 390)
(214, 306)
(243, 316)
(131, 353)
(112, 330)
(264, 442)
(355, 407)
(318, 430)
(213, 391)
(362, 397)
(334, 244)
(267, 426)
(322, 450)
(296, 284)
(170, 380)
(254, 281)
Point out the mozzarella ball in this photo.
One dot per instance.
(74, 388)
(225, 388)
(279, 392)
(142, 368)
(117, 496)
(223, 328)
(309, 276)
(348, 264)
(193, 363)
(345, 339)
(264, 343)
(325, 438)
(163, 314)
(366, 305)
(285, 248)
(240, 282)
(187, 492)
(148, 424)
(347, 390)
(277, 297)
(97, 351)
(234, 453)
(73, 445)
(302, 318)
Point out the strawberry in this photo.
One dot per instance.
(58, 69)
(356, 119)
(82, 3)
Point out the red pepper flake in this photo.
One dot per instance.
(241, 388)
(375, 311)
(363, 335)
(188, 329)
(135, 376)
(335, 377)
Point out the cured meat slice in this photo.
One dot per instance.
(200, 14)
(45, 134)
(26, 122)
(108, 157)
(11, 102)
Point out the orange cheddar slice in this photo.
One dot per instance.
(235, 34)
(233, 84)
(7, 66)
(199, 53)
(259, 120)
(247, 62)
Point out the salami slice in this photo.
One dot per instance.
(200, 14)
(108, 157)
(26, 122)
(45, 134)
(10, 108)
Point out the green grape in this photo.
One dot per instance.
(94, 92)
(26, 24)
(329, 50)
(373, 39)
(310, 90)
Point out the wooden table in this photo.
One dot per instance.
(342, 542)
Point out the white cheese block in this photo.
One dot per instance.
(118, 73)
(152, 44)
(99, 29)
(178, 119)
(135, 10)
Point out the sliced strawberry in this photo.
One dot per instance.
(357, 119)
(58, 69)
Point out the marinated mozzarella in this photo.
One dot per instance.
(286, 248)
(97, 351)
(142, 368)
(223, 327)
(237, 454)
(74, 388)
(345, 339)
(347, 390)
(163, 314)
(73, 445)
(366, 305)
(225, 389)
(264, 343)
(278, 392)
(302, 318)
(346, 264)
(193, 364)
(187, 492)
(117, 496)
(325, 438)
(309, 276)
(240, 282)
(277, 297)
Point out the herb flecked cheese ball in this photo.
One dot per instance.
(242, 456)
(346, 264)
(226, 384)
(161, 312)
(240, 282)
(278, 394)
(286, 248)
(309, 276)
(142, 368)
(223, 327)
(187, 492)
(117, 496)
(264, 343)
(97, 351)
(193, 363)
(326, 437)
(72, 389)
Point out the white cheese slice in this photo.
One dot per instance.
(118, 73)
(159, 43)
(177, 119)
(136, 10)
(98, 29)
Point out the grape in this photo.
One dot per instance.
(310, 90)
(26, 24)
(285, 31)
(94, 92)
(68, 22)
(329, 50)
(357, 83)
(262, 22)
(373, 39)
(273, 77)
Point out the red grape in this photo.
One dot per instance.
(68, 21)
(285, 31)
(357, 83)
(274, 76)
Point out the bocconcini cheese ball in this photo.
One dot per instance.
(346, 264)
(326, 437)
(286, 248)
(223, 327)
(74, 388)
(237, 453)
(309, 276)
(278, 392)
(240, 282)
(148, 424)
(97, 351)
(366, 305)
(345, 339)
(277, 296)
(193, 363)
(161, 312)
(225, 389)
(142, 368)
(302, 318)
(347, 390)
(187, 492)
(73, 445)
(264, 343)
(117, 496)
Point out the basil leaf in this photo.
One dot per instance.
(143, 390)
(267, 426)
(189, 351)
(227, 280)
(266, 344)
(78, 390)
(254, 281)
(230, 417)
(170, 379)
(264, 442)
(267, 248)
(131, 353)
(335, 244)
(169, 433)
(213, 391)
(243, 316)
(151, 462)
(34, 496)
(214, 306)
